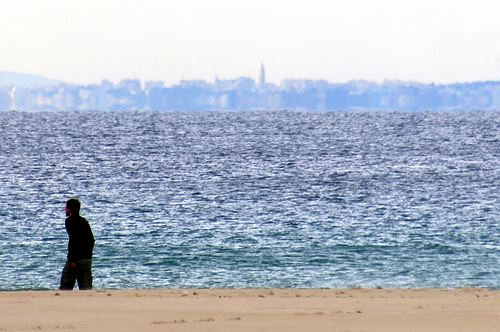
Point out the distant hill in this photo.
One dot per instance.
(25, 80)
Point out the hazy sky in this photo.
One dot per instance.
(86, 41)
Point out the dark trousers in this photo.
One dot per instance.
(80, 271)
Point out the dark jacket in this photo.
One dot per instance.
(81, 240)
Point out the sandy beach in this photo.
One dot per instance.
(252, 310)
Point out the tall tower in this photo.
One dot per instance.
(262, 76)
(12, 95)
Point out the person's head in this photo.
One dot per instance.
(72, 207)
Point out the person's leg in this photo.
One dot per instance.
(84, 275)
(68, 278)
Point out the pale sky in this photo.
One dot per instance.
(86, 41)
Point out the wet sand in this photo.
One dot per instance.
(252, 310)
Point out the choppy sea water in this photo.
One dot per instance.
(254, 199)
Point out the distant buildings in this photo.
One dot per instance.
(243, 93)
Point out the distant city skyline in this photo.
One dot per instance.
(245, 93)
(84, 42)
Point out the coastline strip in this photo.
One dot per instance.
(252, 310)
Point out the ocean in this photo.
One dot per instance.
(254, 199)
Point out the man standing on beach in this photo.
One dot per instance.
(80, 246)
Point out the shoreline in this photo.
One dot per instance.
(163, 289)
(270, 309)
